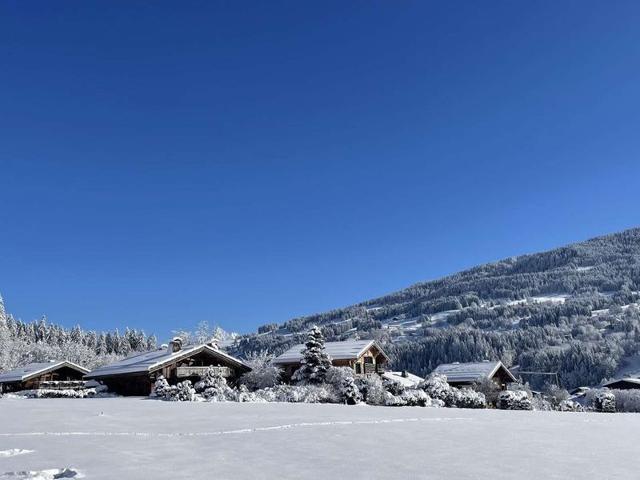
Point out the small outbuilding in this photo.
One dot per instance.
(466, 374)
(31, 376)
(363, 356)
(135, 375)
(404, 378)
(628, 383)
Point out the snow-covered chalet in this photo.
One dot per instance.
(34, 375)
(135, 375)
(364, 356)
(466, 374)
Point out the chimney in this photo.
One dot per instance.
(175, 345)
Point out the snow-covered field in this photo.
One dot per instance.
(133, 438)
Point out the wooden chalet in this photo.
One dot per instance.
(364, 356)
(34, 375)
(467, 374)
(136, 374)
(628, 383)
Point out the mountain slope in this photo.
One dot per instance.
(571, 310)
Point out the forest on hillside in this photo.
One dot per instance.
(574, 311)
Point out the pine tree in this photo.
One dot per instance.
(315, 362)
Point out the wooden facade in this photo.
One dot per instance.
(371, 360)
(468, 374)
(33, 376)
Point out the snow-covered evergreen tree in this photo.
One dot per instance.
(350, 392)
(182, 392)
(213, 386)
(161, 388)
(315, 361)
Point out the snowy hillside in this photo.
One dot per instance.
(573, 310)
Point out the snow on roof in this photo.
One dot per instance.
(470, 372)
(347, 350)
(22, 374)
(635, 381)
(150, 361)
(408, 379)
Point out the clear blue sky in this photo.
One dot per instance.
(248, 162)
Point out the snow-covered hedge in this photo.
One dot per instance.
(55, 393)
(602, 400)
(372, 389)
(570, 406)
(437, 387)
(298, 394)
(627, 400)
(514, 400)
(467, 398)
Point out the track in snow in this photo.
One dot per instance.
(230, 432)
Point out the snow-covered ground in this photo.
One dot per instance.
(133, 438)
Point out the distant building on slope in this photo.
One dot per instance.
(466, 374)
(404, 378)
(363, 356)
(623, 384)
(135, 375)
(33, 375)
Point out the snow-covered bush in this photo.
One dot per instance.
(542, 404)
(56, 393)
(182, 392)
(603, 401)
(372, 389)
(263, 372)
(555, 395)
(298, 394)
(393, 387)
(161, 387)
(342, 380)
(436, 386)
(315, 361)
(627, 400)
(349, 392)
(410, 397)
(570, 406)
(468, 398)
(391, 400)
(244, 395)
(489, 389)
(414, 397)
(514, 400)
(213, 387)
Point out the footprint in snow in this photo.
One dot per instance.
(50, 474)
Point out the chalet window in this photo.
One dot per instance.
(368, 359)
(358, 368)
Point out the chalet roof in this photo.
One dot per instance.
(403, 378)
(630, 380)
(22, 374)
(470, 372)
(347, 350)
(148, 362)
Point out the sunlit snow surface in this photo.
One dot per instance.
(133, 438)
